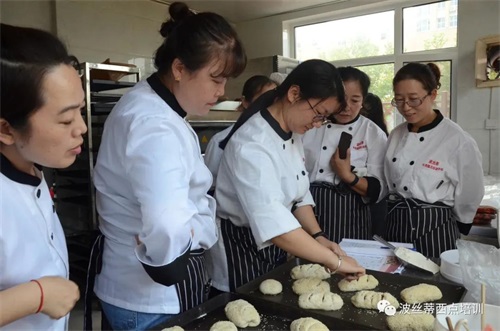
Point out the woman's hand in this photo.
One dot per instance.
(334, 247)
(60, 296)
(348, 267)
(342, 167)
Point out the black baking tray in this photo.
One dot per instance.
(360, 318)
(272, 316)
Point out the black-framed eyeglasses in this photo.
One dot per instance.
(318, 117)
(413, 102)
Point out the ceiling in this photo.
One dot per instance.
(245, 10)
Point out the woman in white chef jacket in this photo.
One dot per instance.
(252, 89)
(151, 181)
(344, 188)
(264, 207)
(40, 125)
(432, 166)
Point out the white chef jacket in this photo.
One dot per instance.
(32, 242)
(151, 181)
(441, 163)
(261, 177)
(213, 153)
(368, 147)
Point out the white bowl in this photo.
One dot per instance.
(466, 310)
(450, 266)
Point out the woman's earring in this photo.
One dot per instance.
(177, 79)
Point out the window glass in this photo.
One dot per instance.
(425, 27)
(323, 40)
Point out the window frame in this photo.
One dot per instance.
(398, 58)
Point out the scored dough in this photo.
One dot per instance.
(370, 299)
(308, 324)
(311, 270)
(411, 322)
(173, 328)
(365, 282)
(421, 293)
(223, 326)
(242, 313)
(306, 285)
(271, 287)
(323, 301)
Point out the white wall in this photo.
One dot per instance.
(35, 14)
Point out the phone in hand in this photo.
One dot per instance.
(344, 144)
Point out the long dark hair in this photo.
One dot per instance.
(317, 79)
(374, 110)
(26, 56)
(197, 39)
(427, 74)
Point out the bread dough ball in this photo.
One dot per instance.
(242, 313)
(223, 326)
(323, 301)
(311, 270)
(308, 324)
(421, 293)
(411, 322)
(365, 282)
(306, 285)
(271, 287)
(173, 328)
(369, 299)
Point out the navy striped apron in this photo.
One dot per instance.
(191, 292)
(244, 261)
(432, 228)
(341, 213)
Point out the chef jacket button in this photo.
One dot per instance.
(297, 177)
(405, 188)
(350, 128)
(421, 138)
(38, 193)
(394, 160)
(303, 173)
(393, 184)
(320, 171)
(52, 236)
(283, 146)
(412, 163)
(324, 148)
(329, 126)
(292, 141)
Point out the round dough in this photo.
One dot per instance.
(306, 285)
(271, 287)
(370, 299)
(323, 301)
(311, 270)
(365, 282)
(173, 328)
(308, 324)
(411, 322)
(223, 326)
(421, 293)
(242, 313)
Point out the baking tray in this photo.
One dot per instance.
(361, 318)
(272, 316)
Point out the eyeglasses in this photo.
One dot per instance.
(318, 117)
(414, 102)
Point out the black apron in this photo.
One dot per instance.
(244, 261)
(191, 292)
(341, 213)
(432, 228)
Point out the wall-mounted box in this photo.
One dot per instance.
(488, 61)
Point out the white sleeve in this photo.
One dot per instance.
(469, 190)
(213, 155)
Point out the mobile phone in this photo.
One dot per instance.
(344, 144)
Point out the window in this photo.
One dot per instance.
(398, 34)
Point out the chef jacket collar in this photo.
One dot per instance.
(9, 171)
(275, 125)
(164, 93)
(354, 120)
(431, 125)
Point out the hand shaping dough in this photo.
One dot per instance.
(411, 322)
(242, 313)
(311, 270)
(369, 299)
(306, 285)
(307, 324)
(173, 328)
(271, 287)
(223, 326)
(421, 293)
(365, 282)
(323, 301)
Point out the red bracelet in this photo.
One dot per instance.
(41, 295)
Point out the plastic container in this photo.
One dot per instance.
(450, 266)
